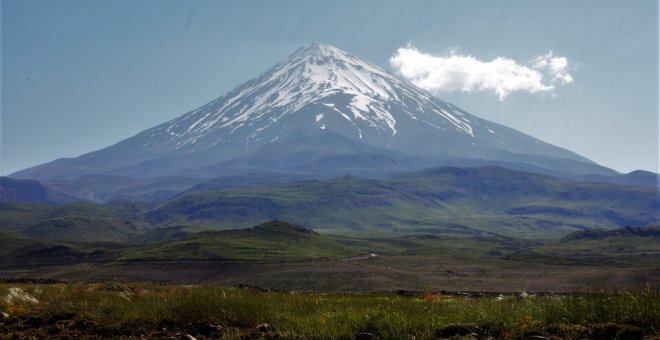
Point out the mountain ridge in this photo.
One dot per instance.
(462, 200)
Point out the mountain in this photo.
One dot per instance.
(637, 177)
(599, 234)
(319, 110)
(473, 201)
(108, 188)
(477, 201)
(29, 191)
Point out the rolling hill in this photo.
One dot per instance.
(469, 201)
(268, 241)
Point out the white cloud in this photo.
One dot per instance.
(501, 75)
(556, 67)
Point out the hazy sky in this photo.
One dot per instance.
(81, 75)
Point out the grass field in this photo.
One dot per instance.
(285, 256)
(161, 311)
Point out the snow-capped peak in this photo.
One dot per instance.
(319, 75)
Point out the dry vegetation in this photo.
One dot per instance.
(162, 311)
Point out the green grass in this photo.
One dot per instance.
(286, 256)
(121, 310)
(274, 240)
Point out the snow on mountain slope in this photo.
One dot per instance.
(318, 90)
(324, 80)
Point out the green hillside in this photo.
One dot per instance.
(481, 201)
(268, 241)
(460, 201)
(623, 246)
(15, 217)
(9, 242)
(85, 229)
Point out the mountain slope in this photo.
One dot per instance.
(29, 191)
(317, 91)
(107, 188)
(85, 229)
(623, 246)
(637, 177)
(464, 201)
(17, 217)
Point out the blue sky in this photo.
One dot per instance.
(81, 75)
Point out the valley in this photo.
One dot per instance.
(285, 256)
(461, 229)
